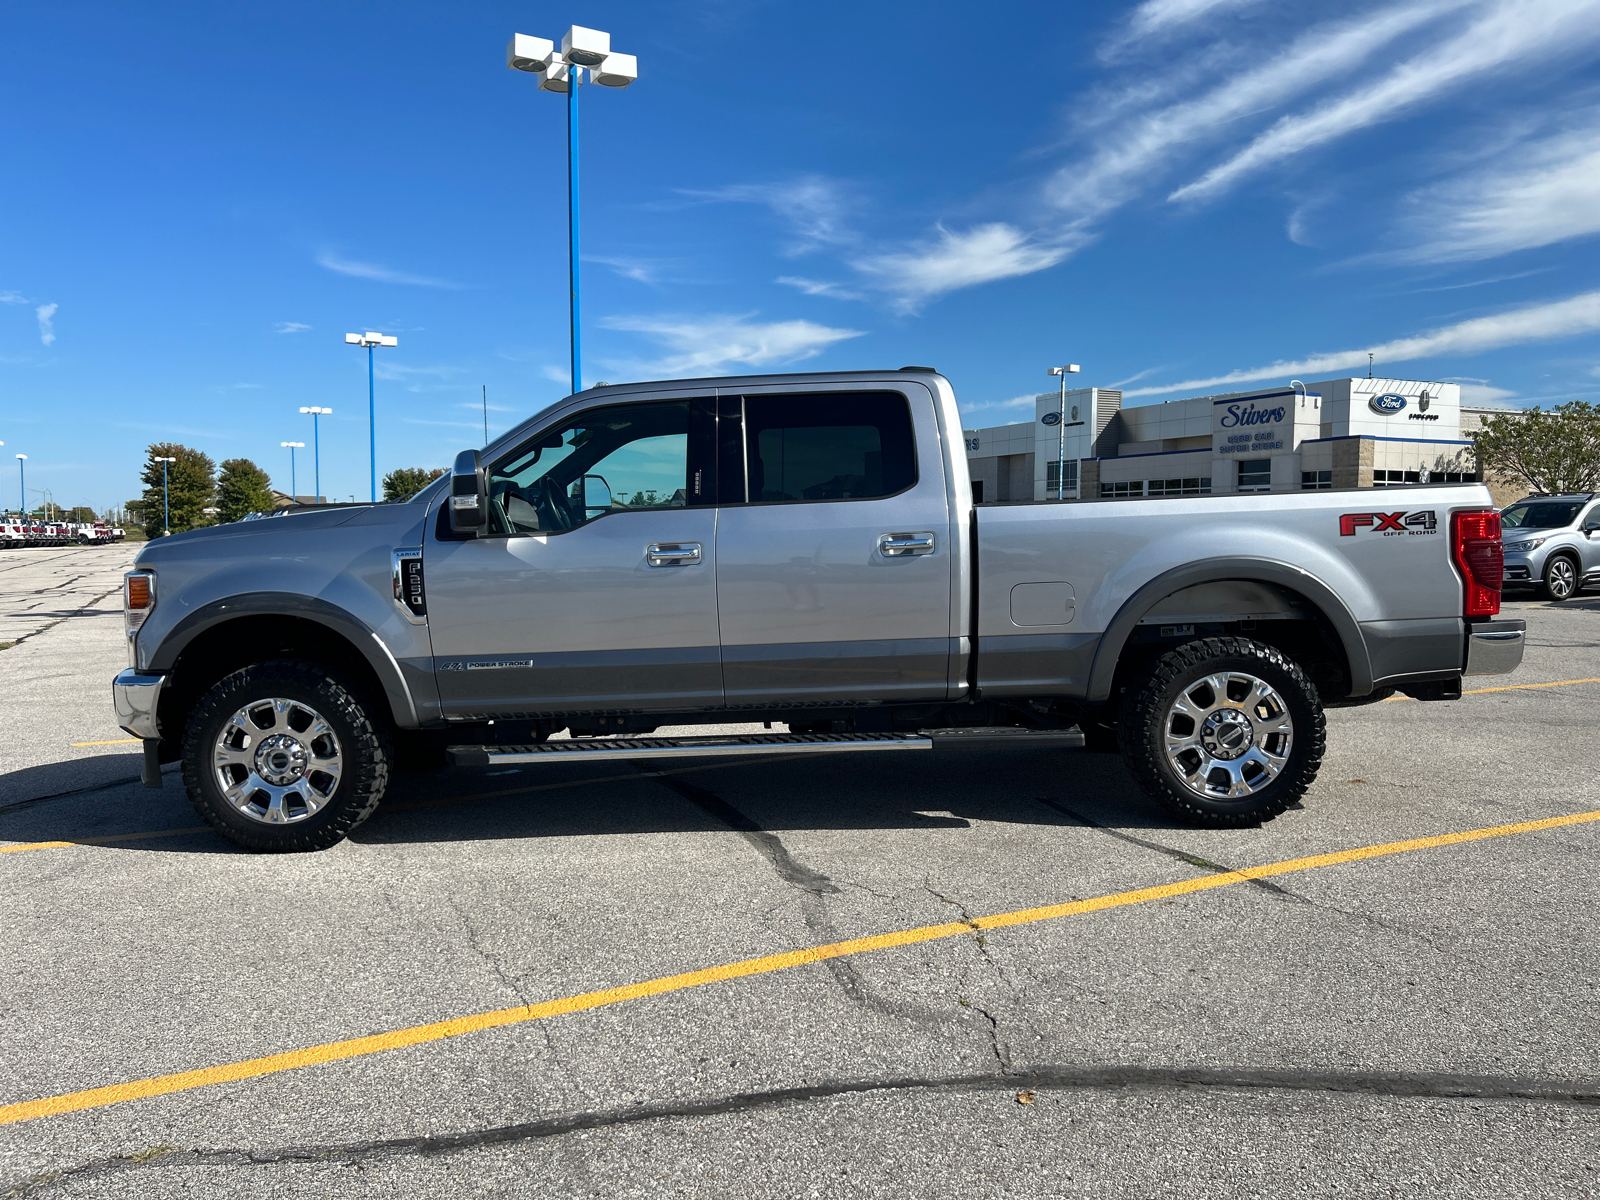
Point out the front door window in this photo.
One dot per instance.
(624, 458)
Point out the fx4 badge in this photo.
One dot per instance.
(1389, 524)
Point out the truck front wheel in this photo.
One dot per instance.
(284, 756)
(1224, 732)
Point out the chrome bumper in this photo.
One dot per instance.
(135, 697)
(1495, 647)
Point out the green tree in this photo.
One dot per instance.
(242, 488)
(191, 486)
(82, 514)
(1555, 451)
(404, 482)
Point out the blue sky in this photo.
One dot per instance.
(200, 200)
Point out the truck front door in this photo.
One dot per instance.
(833, 556)
(594, 586)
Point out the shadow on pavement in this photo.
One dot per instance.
(943, 790)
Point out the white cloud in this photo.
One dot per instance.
(1156, 18)
(1015, 402)
(557, 374)
(12, 298)
(479, 406)
(290, 327)
(640, 270)
(1472, 283)
(1132, 151)
(1536, 195)
(704, 345)
(812, 206)
(819, 287)
(957, 260)
(1535, 323)
(47, 326)
(1511, 33)
(377, 273)
(1480, 395)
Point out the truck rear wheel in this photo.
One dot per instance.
(1224, 732)
(284, 756)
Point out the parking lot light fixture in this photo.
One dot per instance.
(316, 451)
(561, 70)
(166, 506)
(292, 447)
(371, 341)
(1061, 430)
(22, 485)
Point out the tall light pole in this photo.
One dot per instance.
(292, 446)
(316, 451)
(22, 485)
(562, 71)
(166, 504)
(370, 341)
(1061, 428)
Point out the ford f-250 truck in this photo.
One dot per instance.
(792, 549)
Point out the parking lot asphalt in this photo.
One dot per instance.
(1411, 1019)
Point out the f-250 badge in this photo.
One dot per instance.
(1389, 524)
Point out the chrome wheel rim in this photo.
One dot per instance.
(1562, 578)
(1228, 735)
(277, 761)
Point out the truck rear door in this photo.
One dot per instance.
(833, 555)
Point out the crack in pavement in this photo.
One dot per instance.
(812, 887)
(1395, 1085)
(1194, 860)
(1002, 1051)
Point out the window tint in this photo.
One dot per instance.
(1255, 474)
(1545, 515)
(619, 459)
(839, 447)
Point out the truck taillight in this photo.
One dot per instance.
(1475, 544)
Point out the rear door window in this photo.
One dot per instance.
(850, 446)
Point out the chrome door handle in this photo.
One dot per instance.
(899, 545)
(672, 554)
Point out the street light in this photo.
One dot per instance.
(562, 71)
(166, 507)
(22, 485)
(316, 451)
(293, 446)
(1061, 427)
(370, 340)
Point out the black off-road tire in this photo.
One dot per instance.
(364, 741)
(1142, 729)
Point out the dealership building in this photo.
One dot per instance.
(1336, 433)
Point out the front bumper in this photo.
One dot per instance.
(1495, 647)
(136, 697)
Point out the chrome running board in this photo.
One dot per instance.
(752, 744)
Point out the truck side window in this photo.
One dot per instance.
(855, 446)
(623, 458)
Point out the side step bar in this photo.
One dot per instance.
(750, 744)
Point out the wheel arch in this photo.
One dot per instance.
(221, 637)
(1322, 599)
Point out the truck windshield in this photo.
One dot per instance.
(1545, 514)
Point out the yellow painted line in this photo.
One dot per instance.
(416, 1035)
(104, 840)
(113, 742)
(1510, 687)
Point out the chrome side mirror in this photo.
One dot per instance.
(469, 495)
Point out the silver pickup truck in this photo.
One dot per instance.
(791, 550)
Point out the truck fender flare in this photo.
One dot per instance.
(310, 608)
(1215, 570)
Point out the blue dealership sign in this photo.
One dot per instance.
(1387, 404)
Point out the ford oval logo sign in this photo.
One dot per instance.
(1051, 418)
(1386, 404)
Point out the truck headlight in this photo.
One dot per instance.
(1523, 547)
(138, 601)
